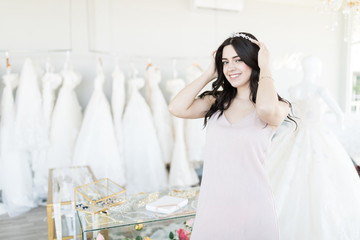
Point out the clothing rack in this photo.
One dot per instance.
(26, 51)
(140, 57)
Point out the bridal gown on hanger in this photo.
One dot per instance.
(15, 168)
(194, 128)
(96, 144)
(160, 112)
(30, 133)
(29, 121)
(65, 122)
(316, 187)
(145, 169)
(117, 105)
(182, 173)
(50, 82)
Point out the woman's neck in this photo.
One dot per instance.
(243, 93)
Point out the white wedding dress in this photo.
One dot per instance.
(182, 173)
(315, 184)
(145, 169)
(29, 122)
(349, 136)
(65, 123)
(50, 82)
(194, 128)
(30, 133)
(160, 112)
(117, 105)
(15, 169)
(96, 145)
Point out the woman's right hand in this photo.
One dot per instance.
(211, 70)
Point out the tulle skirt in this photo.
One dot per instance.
(316, 186)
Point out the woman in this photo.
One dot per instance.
(241, 111)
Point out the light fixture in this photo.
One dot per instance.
(349, 7)
(352, 7)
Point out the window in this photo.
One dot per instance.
(354, 67)
(355, 101)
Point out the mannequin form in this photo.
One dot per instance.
(315, 184)
(312, 68)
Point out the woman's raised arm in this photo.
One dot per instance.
(186, 104)
(269, 108)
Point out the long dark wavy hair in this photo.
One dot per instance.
(248, 52)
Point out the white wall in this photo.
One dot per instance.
(166, 29)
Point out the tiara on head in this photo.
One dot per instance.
(242, 35)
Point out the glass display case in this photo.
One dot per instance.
(131, 220)
(98, 196)
(60, 202)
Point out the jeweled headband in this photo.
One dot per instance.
(242, 35)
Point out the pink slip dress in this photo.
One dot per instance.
(236, 201)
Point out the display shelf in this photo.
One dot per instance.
(131, 219)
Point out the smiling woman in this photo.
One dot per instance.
(241, 112)
(235, 70)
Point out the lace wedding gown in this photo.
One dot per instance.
(96, 145)
(182, 173)
(145, 169)
(316, 187)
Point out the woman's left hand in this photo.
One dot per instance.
(263, 55)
